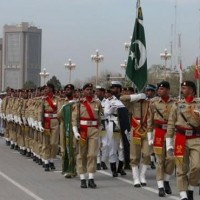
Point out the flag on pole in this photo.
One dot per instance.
(196, 71)
(136, 69)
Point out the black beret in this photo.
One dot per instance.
(50, 85)
(87, 85)
(190, 84)
(70, 86)
(164, 84)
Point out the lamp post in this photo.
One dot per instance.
(70, 66)
(123, 66)
(165, 56)
(44, 74)
(97, 58)
(127, 45)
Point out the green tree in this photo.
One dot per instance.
(29, 85)
(55, 82)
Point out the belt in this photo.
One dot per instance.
(50, 115)
(161, 126)
(88, 123)
(187, 132)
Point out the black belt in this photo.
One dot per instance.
(189, 132)
(161, 126)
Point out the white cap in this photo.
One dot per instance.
(116, 84)
(98, 87)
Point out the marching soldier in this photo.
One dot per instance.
(116, 152)
(87, 113)
(139, 148)
(48, 122)
(184, 123)
(159, 110)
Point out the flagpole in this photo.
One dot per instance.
(197, 88)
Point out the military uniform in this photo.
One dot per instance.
(87, 114)
(139, 148)
(158, 114)
(184, 123)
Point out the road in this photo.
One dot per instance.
(23, 179)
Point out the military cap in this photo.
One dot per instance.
(190, 84)
(87, 85)
(70, 86)
(151, 87)
(116, 84)
(164, 84)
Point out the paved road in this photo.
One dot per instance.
(22, 179)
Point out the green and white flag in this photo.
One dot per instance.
(137, 60)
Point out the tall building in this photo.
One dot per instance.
(1, 53)
(21, 55)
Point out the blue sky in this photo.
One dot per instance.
(76, 28)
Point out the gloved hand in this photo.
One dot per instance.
(24, 121)
(76, 133)
(15, 119)
(40, 127)
(19, 121)
(137, 97)
(169, 147)
(150, 138)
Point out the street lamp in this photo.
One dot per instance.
(70, 66)
(123, 66)
(127, 45)
(97, 58)
(44, 74)
(165, 56)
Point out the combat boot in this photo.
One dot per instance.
(91, 184)
(161, 190)
(113, 169)
(143, 175)
(98, 166)
(46, 168)
(190, 195)
(52, 166)
(103, 165)
(83, 183)
(167, 187)
(136, 179)
(120, 169)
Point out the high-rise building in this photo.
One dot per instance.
(21, 55)
(1, 52)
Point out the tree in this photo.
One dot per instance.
(55, 82)
(29, 85)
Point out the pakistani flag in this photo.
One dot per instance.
(137, 60)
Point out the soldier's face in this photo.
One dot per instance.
(163, 91)
(88, 91)
(186, 91)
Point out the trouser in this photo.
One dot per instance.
(165, 164)
(61, 142)
(20, 135)
(188, 173)
(87, 152)
(139, 152)
(50, 141)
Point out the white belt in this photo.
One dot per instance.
(88, 123)
(50, 115)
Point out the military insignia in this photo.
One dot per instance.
(158, 141)
(179, 149)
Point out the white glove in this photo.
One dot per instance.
(76, 133)
(31, 122)
(24, 121)
(128, 134)
(15, 118)
(137, 97)
(34, 124)
(11, 118)
(169, 144)
(19, 121)
(150, 138)
(40, 128)
(4, 116)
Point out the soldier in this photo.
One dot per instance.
(139, 148)
(66, 136)
(48, 110)
(184, 123)
(87, 113)
(150, 92)
(103, 143)
(116, 152)
(159, 110)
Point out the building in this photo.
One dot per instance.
(1, 54)
(21, 55)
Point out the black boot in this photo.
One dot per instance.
(161, 192)
(83, 183)
(190, 195)
(152, 164)
(103, 165)
(167, 187)
(28, 154)
(46, 168)
(40, 162)
(12, 146)
(52, 166)
(91, 183)
(120, 169)
(113, 169)
(98, 166)
(7, 142)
